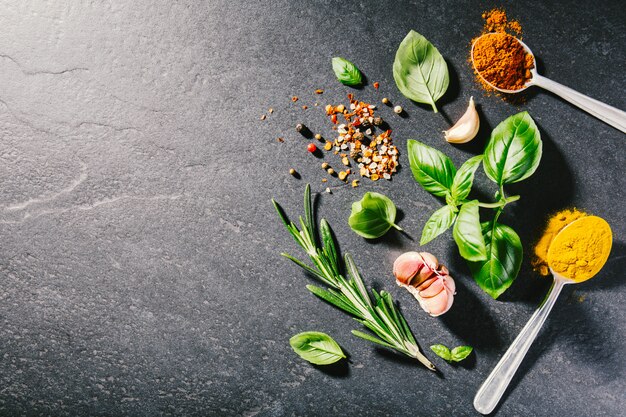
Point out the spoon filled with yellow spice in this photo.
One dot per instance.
(576, 254)
(507, 65)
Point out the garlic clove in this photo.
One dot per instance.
(406, 266)
(466, 128)
(442, 301)
(429, 282)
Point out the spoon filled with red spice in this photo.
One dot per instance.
(507, 64)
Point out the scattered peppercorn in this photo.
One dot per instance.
(311, 147)
(397, 109)
(304, 107)
(299, 127)
(330, 171)
(386, 101)
(328, 146)
(294, 98)
(345, 161)
(342, 175)
(318, 136)
(263, 117)
(292, 171)
(271, 110)
(376, 85)
(355, 183)
(325, 165)
(324, 180)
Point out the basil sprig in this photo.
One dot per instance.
(373, 215)
(317, 348)
(492, 249)
(455, 355)
(420, 71)
(346, 72)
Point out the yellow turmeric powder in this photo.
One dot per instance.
(580, 250)
(555, 224)
(590, 244)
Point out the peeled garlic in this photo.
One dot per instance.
(466, 128)
(429, 282)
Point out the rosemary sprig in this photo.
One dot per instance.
(380, 315)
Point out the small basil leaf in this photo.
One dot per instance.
(461, 352)
(432, 169)
(346, 71)
(439, 222)
(316, 347)
(514, 150)
(442, 351)
(420, 71)
(464, 178)
(504, 258)
(467, 233)
(373, 216)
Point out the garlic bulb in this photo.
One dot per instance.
(429, 282)
(466, 128)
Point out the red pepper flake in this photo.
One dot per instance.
(376, 85)
(304, 107)
(319, 91)
(294, 98)
(333, 118)
(350, 96)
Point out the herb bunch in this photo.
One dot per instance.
(378, 314)
(493, 250)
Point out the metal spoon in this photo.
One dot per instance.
(608, 114)
(491, 391)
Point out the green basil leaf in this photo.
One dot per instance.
(504, 258)
(346, 71)
(373, 216)
(439, 222)
(461, 352)
(464, 178)
(432, 169)
(467, 233)
(514, 150)
(316, 347)
(442, 351)
(420, 71)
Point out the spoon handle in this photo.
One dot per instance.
(496, 383)
(608, 114)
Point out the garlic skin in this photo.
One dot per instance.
(429, 282)
(467, 126)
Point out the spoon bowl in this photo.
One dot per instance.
(608, 114)
(491, 391)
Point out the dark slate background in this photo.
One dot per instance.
(139, 254)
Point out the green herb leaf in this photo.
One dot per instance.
(467, 233)
(420, 71)
(439, 222)
(461, 352)
(504, 258)
(346, 71)
(442, 351)
(464, 178)
(514, 150)
(316, 347)
(373, 216)
(432, 169)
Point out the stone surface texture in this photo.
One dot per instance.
(140, 272)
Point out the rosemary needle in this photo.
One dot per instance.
(379, 314)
